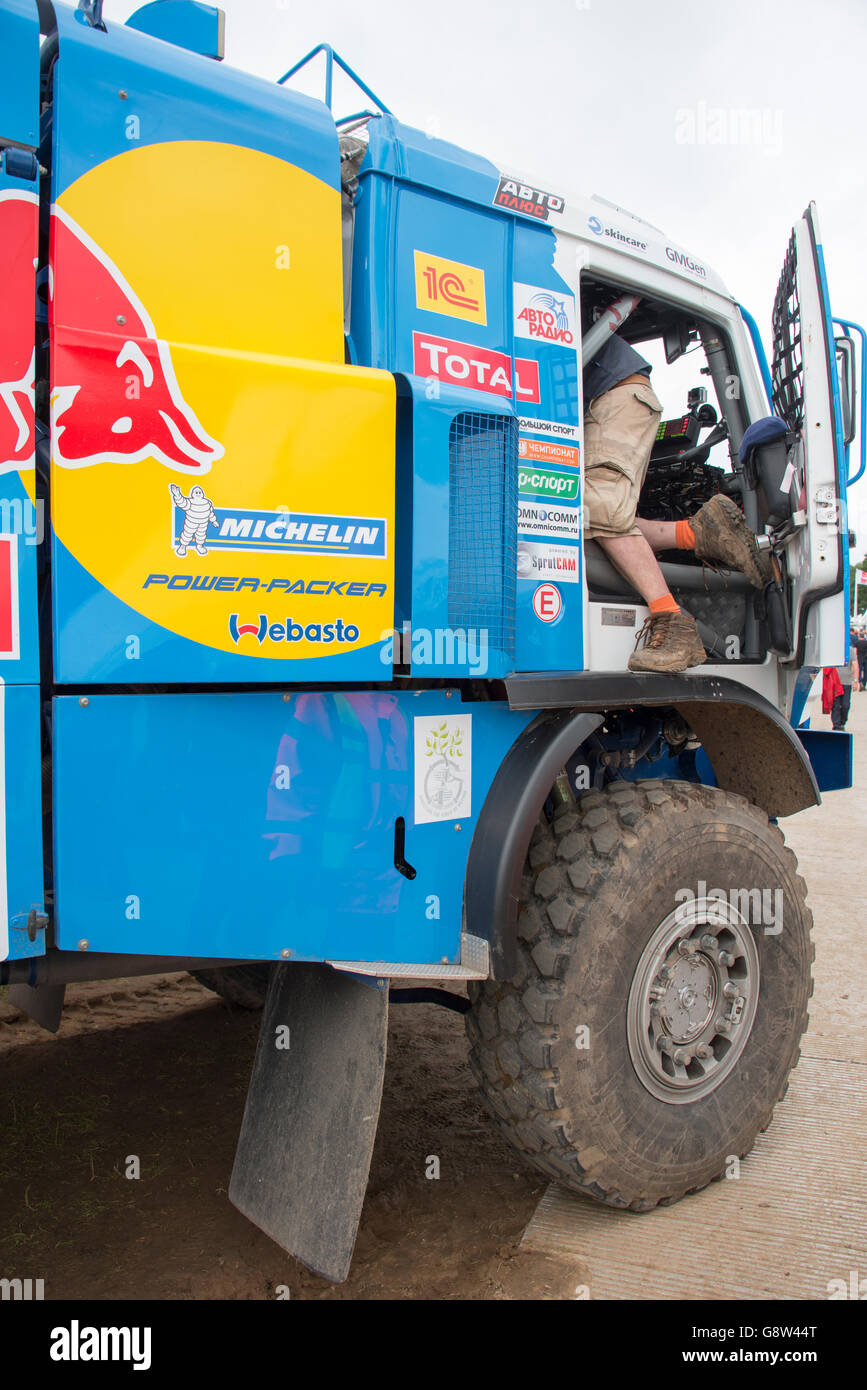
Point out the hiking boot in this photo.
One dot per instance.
(722, 535)
(668, 642)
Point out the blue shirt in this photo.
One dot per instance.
(614, 361)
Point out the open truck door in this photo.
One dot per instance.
(803, 474)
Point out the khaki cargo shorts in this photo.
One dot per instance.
(619, 429)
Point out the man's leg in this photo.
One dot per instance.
(717, 532)
(835, 712)
(845, 701)
(660, 535)
(633, 556)
(619, 430)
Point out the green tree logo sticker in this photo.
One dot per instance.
(444, 779)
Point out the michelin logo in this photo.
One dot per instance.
(197, 520)
(198, 516)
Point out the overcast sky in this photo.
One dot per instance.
(631, 100)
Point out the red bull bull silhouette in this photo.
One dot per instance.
(114, 394)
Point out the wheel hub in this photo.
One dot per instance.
(690, 999)
(693, 1000)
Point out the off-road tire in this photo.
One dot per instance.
(245, 986)
(598, 880)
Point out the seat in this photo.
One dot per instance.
(718, 602)
(606, 583)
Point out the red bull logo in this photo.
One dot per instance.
(18, 239)
(114, 394)
(179, 347)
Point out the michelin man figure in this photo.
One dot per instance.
(199, 515)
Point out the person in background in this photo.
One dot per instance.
(837, 693)
(861, 649)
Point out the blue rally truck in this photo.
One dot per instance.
(308, 683)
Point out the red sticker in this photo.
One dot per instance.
(547, 603)
(463, 364)
(9, 596)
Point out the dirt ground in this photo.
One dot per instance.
(158, 1068)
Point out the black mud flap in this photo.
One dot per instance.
(44, 1004)
(310, 1120)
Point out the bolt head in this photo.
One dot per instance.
(83, 701)
(285, 953)
(682, 1058)
(663, 1043)
(723, 1025)
(84, 944)
(703, 1051)
(709, 942)
(731, 990)
(457, 827)
(726, 958)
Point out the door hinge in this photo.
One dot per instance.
(826, 506)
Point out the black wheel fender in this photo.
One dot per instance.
(508, 817)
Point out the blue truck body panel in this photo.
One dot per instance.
(427, 209)
(21, 850)
(248, 825)
(19, 92)
(193, 98)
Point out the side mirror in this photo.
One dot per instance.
(846, 377)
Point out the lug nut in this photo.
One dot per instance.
(726, 958)
(723, 1025)
(682, 1058)
(731, 990)
(703, 1051)
(685, 946)
(709, 942)
(664, 1044)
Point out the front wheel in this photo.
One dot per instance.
(661, 993)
